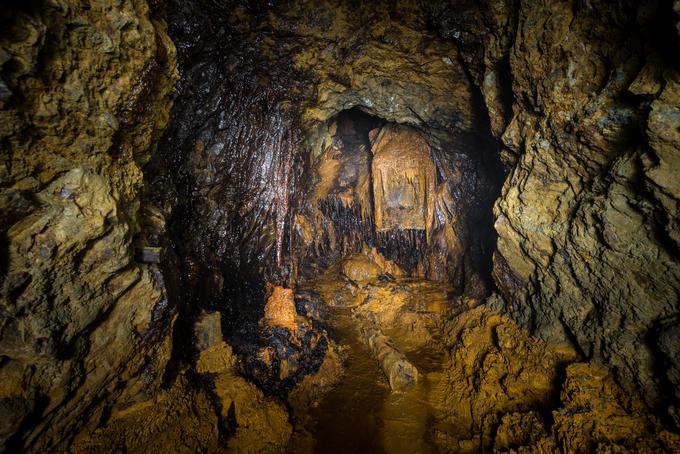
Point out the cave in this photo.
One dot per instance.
(340, 226)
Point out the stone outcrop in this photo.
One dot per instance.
(587, 250)
(360, 268)
(253, 421)
(293, 352)
(181, 419)
(228, 414)
(500, 383)
(280, 309)
(85, 93)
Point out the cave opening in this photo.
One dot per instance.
(413, 197)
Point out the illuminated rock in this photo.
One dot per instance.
(360, 268)
(403, 179)
(280, 309)
(400, 372)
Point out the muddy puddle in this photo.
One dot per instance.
(362, 414)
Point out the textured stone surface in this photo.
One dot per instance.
(261, 90)
(179, 420)
(500, 382)
(229, 414)
(404, 179)
(360, 268)
(259, 423)
(587, 252)
(582, 98)
(280, 309)
(399, 371)
(389, 64)
(85, 94)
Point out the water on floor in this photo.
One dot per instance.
(362, 413)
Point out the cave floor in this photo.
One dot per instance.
(382, 324)
(410, 368)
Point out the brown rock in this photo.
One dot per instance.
(403, 179)
(261, 422)
(499, 378)
(84, 327)
(180, 419)
(218, 358)
(576, 258)
(400, 372)
(280, 309)
(360, 268)
(386, 266)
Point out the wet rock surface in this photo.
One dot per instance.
(197, 279)
(387, 188)
(386, 364)
(403, 179)
(262, 90)
(483, 382)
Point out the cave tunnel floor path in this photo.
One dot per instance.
(362, 414)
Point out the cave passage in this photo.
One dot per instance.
(340, 226)
(376, 186)
(379, 184)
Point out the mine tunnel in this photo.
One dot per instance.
(339, 226)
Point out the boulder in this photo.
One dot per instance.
(360, 268)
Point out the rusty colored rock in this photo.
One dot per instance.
(266, 172)
(386, 266)
(177, 420)
(360, 268)
(400, 372)
(403, 179)
(577, 258)
(280, 309)
(499, 377)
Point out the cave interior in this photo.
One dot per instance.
(340, 226)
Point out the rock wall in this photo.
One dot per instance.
(587, 251)
(404, 179)
(85, 91)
